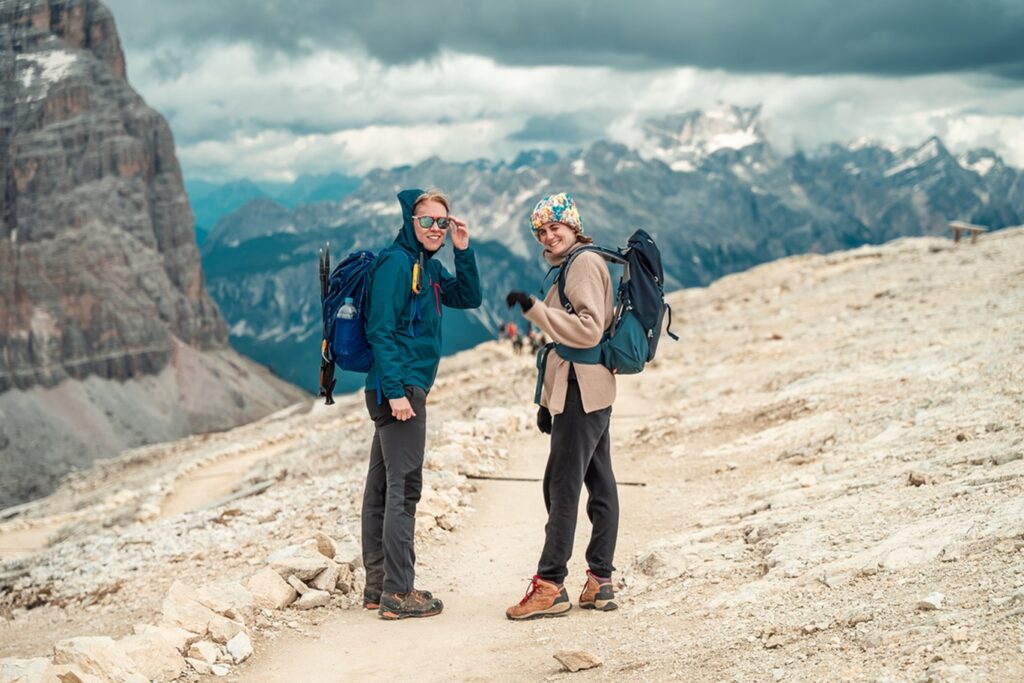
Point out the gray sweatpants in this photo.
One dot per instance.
(394, 482)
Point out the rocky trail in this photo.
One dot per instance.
(834, 491)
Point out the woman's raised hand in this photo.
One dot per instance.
(460, 234)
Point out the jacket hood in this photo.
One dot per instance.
(407, 235)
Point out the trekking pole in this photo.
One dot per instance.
(485, 477)
(327, 381)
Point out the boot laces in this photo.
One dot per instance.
(530, 590)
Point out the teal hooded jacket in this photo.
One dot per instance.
(404, 328)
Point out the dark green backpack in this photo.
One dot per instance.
(632, 339)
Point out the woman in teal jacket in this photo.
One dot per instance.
(403, 326)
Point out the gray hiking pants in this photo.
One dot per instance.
(393, 485)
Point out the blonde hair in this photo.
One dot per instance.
(433, 194)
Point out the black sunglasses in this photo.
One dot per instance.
(426, 221)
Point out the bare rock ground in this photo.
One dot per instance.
(834, 476)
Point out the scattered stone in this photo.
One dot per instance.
(240, 648)
(835, 580)
(36, 670)
(99, 656)
(807, 481)
(229, 598)
(303, 562)
(778, 674)
(222, 629)
(1007, 457)
(182, 608)
(326, 545)
(299, 587)
(577, 660)
(179, 638)
(859, 616)
(816, 626)
(204, 651)
(959, 636)
(155, 657)
(932, 602)
(327, 580)
(201, 667)
(348, 579)
(270, 590)
(220, 669)
(349, 552)
(916, 478)
(312, 598)
(67, 673)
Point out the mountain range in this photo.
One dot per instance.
(715, 194)
(210, 201)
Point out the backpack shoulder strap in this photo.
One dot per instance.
(606, 254)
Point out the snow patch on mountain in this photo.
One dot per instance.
(867, 142)
(684, 140)
(40, 70)
(982, 164)
(922, 155)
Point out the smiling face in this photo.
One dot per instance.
(557, 238)
(431, 238)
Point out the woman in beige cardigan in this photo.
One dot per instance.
(575, 408)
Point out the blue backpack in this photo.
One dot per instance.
(344, 342)
(345, 338)
(632, 339)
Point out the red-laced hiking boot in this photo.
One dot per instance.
(542, 599)
(598, 594)
(371, 599)
(415, 603)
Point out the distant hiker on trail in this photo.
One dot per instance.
(403, 327)
(575, 408)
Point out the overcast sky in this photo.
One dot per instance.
(270, 89)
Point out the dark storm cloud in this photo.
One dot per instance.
(881, 37)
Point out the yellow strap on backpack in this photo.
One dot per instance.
(415, 278)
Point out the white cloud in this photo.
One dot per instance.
(237, 112)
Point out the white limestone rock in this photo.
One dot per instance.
(182, 608)
(312, 598)
(222, 629)
(240, 648)
(35, 670)
(205, 651)
(154, 656)
(327, 580)
(99, 656)
(269, 590)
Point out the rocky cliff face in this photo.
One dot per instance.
(99, 260)
(100, 273)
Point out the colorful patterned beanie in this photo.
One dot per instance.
(557, 208)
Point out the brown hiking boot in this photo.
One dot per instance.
(542, 599)
(415, 603)
(599, 595)
(371, 599)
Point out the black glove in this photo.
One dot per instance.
(544, 420)
(521, 298)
